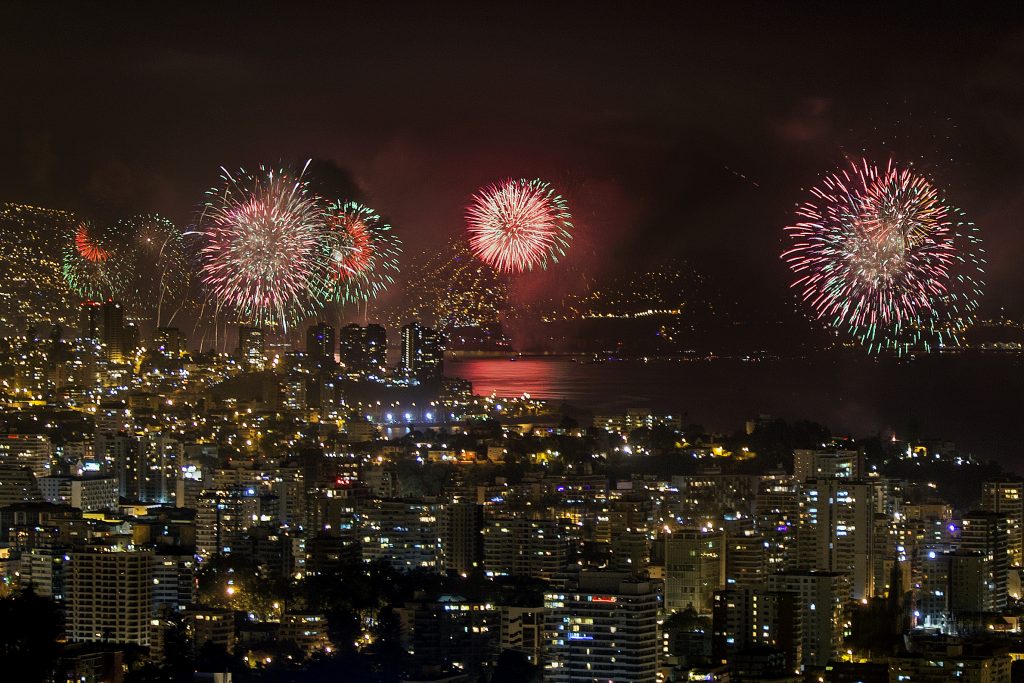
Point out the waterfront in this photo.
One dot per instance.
(952, 397)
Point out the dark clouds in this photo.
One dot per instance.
(673, 129)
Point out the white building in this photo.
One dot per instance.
(605, 629)
(835, 530)
(109, 595)
(34, 451)
(87, 493)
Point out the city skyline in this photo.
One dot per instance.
(569, 343)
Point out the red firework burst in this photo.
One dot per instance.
(516, 225)
(357, 253)
(87, 246)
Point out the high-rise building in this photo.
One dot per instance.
(87, 493)
(933, 600)
(117, 337)
(460, 525)
(121, 454)
(746, 559)
(603, 629)
(350, 349)
(158, 466)
(821, 597)
(520, 546)
(808, 464)
(694, 568)
(985, 533)
(970, 588)
(835, 530)
(522, 630)
(363, 350)
(777, 514)
(109, 595)
(167, 343)
(307, 630)
(90, 320)
(376, 348)
(174, 578)
(744, 618)
(449, 633)
(1007, 497)
(223, 516)
(422, 356)
(45, 569)
(401, 532)
(320, 344)
(214, 625)
(18, 485)
(34, 451)
(251, 348)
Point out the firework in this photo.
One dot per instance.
(87, 245)
(881, 254)
(361, 252)
(154, 272)
(88, 265)
(260, 234)
(517, 225)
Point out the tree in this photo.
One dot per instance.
(29, 627)
(513, 667)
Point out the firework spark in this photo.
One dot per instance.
(880, 254)
(260, 233)
(517, 225)
(87, 246)
(361, 250)
(154, 265)
(87, 263)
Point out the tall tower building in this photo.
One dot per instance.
(403, 533)
(376, 349)
(521, 546)
(603, 629)
(251, 348)
(808, 464)
(167, 342)
(932, 599)
(821, 597)
(350, 350)
(744, 618)
(835, 530)
(422, 356)
(109, 595)
(1007, 497)
(114, 335)
(90, 320)
(985, 533)
(34, 451)
(462, 541)
(694, 568)
(746, 559)
(320, 344)
(777, 513)
(363, 350)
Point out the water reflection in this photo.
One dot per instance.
(941, 397)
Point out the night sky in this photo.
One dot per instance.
(671, 130)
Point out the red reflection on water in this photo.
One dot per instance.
(538, 377)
